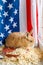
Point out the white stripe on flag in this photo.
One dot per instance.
(40, 22)
(34, 21)
(22, 16)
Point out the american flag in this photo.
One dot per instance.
(16, 16)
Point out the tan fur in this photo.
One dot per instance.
(18, 39)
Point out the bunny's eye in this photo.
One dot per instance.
(30, 40)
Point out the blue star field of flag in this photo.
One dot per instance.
(9, 18)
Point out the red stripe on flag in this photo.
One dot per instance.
(37, 21)
(37, 16)
(29, 24)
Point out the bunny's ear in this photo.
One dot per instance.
(31, 32)
(27, 34)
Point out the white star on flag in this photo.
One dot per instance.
(4, 1)
(14, 0)
(16, 11)
(9, 31)
(10, 6)
(5, 14)
(2, 21)
(0, 15)
(11, 19)
(14, 24)
(1, 43)
(1, 35)
(1, 7)
(6, 27)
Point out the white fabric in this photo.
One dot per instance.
(22, 16)
(33, 12)
(40, 23)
